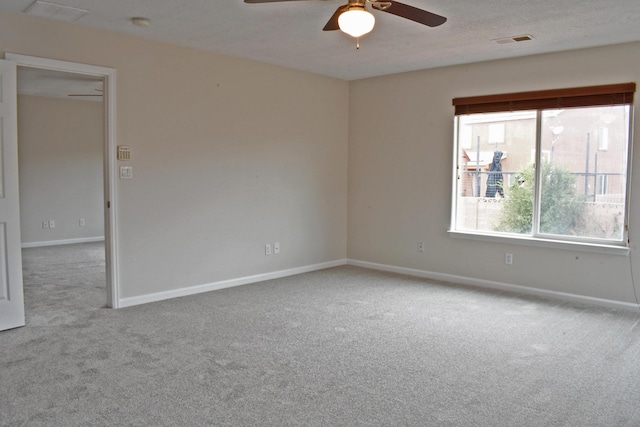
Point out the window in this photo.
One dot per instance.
(496, 133)
(603, 137)
(547, 165)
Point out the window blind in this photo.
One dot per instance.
(616, 94)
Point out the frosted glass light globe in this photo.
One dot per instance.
(356, 21)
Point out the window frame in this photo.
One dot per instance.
(617, 94)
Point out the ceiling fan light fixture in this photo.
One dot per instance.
(356, 21)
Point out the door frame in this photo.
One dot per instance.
(109, 157)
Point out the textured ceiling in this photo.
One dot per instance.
(290, 33)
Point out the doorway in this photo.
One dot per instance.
(60, 161)
(106, 78)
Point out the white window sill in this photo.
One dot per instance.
(622, 250)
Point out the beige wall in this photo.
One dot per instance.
(231, 154)
(60, 162)
(400, 173)
(228, 155)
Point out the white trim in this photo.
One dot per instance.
(489, 284)
(192, 290)
(543, 243)
(110, 187)
(62, 242)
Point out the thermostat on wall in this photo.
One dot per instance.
(124, 152)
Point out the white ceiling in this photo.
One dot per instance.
(290, 33)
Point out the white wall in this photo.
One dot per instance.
(228, 155)
(400, 173)
(60, 162)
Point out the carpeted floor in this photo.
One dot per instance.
(62, 281)
(339, 347)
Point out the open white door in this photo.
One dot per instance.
(11, 297)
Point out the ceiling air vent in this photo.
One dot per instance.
(513, 39)
(45, 9)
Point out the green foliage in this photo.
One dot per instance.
(561, 206)
(517, 213)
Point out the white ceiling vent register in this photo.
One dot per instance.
(514, 39)
(45, 9)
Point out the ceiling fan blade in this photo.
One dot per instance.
(332, 25)
(409, 12)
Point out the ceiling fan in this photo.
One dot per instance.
(354, 19)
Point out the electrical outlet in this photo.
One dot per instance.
(81, 222)
(276, 248)
(267, 249)
(45, 225)
(52, 224)
(508, 259)
(420, 247)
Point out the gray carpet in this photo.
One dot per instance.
(339, 347)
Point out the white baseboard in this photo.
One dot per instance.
(498, 285)
(192, 290)
(62, 242)
(488, 284)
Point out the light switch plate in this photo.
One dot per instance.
(126, 172)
